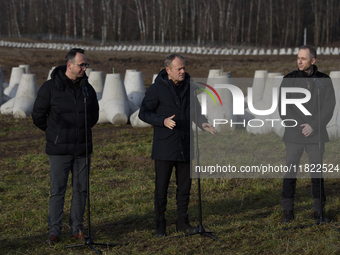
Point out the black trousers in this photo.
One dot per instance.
(293, 155)
(163, 171)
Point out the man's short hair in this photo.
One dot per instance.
(170, 58)
(72, 54)
(312, 50)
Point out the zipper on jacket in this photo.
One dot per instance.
(175, 95)
(56, 139)
(75, 108)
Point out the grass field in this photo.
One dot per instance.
(245, 214)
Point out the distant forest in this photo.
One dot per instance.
(269, 23)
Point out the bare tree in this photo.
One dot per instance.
(250, 19)
(270, 23)
(141, 22)
(154, 21)
(74, 19)
(16, 29)
(120, 14)
(316, 10)
(257, 21)
(104, 26)
(221, 6)
(193, 14)
(83, 26)
(266, 22)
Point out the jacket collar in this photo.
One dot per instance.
(162, 77)
(61, 79)
(304, 74)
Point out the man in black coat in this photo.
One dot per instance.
(308, 134)
(59, 110)
(167, 107)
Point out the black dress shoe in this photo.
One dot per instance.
(183, 225)
(287, 216)
(160, 227)
(316, 216)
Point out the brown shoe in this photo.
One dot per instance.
(81, 235)
(52, 239)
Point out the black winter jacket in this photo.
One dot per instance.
(161, 102)
(60, 112)
(327, 103)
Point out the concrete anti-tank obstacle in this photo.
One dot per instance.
(335, 51)
(50, 72)
(96, 79)
(7, 108)
(127, 71)
(327, 51)
(289, 51)
(137, 122)
(102, 116)
(259, 82)
(114, 103)
(266, 103)
(88, 71)
(266, 100)
(213, 73)
(135, 89)
(333, 126)
(16, 73)
(26, 95)
(154, 78)
(26, 67)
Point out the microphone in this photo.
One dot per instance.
(86, 94)
(317, 82)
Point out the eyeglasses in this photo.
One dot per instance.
(83, 65)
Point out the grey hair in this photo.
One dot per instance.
(312, 50)
(170, 58)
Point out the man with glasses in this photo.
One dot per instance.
(59, 110)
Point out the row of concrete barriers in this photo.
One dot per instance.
(120, 99)
(171, 49)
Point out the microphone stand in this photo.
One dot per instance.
(88, 240)
(200, 229)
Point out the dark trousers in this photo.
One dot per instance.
(293, 155)
(60, 167)
(163, 171)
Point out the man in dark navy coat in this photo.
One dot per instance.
(308, 133)
(59, 110)
(167, 107)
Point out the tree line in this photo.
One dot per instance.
(270, 23)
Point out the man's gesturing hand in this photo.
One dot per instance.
(209, 128)
(169, 123)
